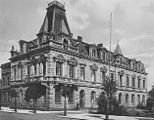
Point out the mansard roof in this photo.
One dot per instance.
(55, 19)
(55, 30)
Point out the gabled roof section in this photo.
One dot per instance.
(118, 50)
(55, 20)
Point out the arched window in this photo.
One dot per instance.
(127, 97)
(93, 53)
(71, 97)
(133, 98)
(93, 97)
(143, 100)
(120, 96)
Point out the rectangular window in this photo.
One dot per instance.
(133, 82)
(143, 83)
(112, 76)
(35, 69)
(28, 70)
(71, 71)
(139, 83)
(15, 73)
(21, 74)
(44, 68)
(103, 76)
(127, 79)
(93, 75)
(82, 73)
(59, 68)
(120, 80)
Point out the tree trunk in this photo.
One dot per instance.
(34, 105)
(107, 109)
(65, 107)
(15, 109)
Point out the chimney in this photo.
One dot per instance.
(12, 51)
(79, 38)
(100, 45)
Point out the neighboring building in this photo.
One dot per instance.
(56, 57)
(5, 83)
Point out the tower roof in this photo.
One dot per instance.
(118, 50)
(55, 20)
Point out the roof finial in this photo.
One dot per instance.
(12, 49)
(118, 50)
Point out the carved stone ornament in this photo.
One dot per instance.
(103, 69)
(72, 61)
(121, 72)
(20, 65)
(133, 76)
(42, 58)
(94, 67)
(59, 58)
(33, 60)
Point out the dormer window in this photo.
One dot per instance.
(65, 44)
(93, 53)
(103, 56)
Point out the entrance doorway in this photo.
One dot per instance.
(82, 99)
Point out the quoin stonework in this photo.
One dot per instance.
(55, 56)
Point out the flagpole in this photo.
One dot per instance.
(110, 45)
(107, 96)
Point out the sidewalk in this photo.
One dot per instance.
(88, 116)
(7, 109)
(80, 115)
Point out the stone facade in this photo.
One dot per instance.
(56, 57)
(5, 83)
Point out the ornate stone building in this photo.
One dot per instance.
(5, 83)
(56, 57)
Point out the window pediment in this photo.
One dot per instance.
(133, 76)
(59, 58)
(94, 67)
(121, 72)
(20, 65)
(72, 61)
(103, 69)
(139, 77)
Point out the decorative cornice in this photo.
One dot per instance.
(46, 49)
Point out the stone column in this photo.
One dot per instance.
(41, 69)
(37, 68)
(51, 96)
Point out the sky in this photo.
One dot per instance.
(132, 25)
